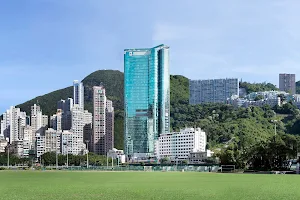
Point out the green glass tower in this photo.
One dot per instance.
(147, 98)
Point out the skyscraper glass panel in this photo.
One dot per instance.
(147, 97)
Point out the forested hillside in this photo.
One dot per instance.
(238, 129)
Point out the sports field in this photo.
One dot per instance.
(146, 185)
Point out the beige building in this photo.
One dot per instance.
(103, 122)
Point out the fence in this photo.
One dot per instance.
(186, 168)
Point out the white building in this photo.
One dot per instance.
(40, 145)
(12, 124)
(50, 142)
(68, 144)
(77, 143)
(28, 139)
(180, 144)
(3, 144)
(117, 154)
(36, 119)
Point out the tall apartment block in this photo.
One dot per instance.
(65, 107)
(13, 124)
(78, 94)
(88, 129)
(98, 140)
(103, 123)
(287, 83)
(77, 144)
(36, 119)
(56, 120)
(213, 91)
(109, 125)
(147, 98)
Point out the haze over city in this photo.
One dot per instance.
(47, 44)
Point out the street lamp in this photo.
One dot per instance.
(8, 145)
(87, 155)
(66, 143)
(107, 161)
(56, 156)
(275, 123)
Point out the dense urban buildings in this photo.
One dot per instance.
(271, 98)
(13, 124)
(71, 127)
(179, 145)
(287, 83)
(213, 91)
(147, 98)
(103, 123)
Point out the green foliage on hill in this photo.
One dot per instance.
(257, 87)
(298, 87)
(113, 81)
(236, 131)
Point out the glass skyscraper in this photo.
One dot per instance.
(147, 98)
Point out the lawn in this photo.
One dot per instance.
(146, 185)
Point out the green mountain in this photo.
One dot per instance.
(113, 81)
(237, 131)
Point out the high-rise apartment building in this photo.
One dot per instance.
(78, 94)
(88, 129)
(109, 125)
(287, 83)
(5, 125)
(36, 119)
(77, 144)
(147, 98)
(213, 91)
(98, 139)
(56, 120)
(103, 122)
(13, 124)
(65, 106)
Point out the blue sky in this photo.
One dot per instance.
(46, 44)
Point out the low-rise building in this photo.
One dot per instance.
(179, 145)
(117, 154)
(3, 145)
(197, 157)
(69, 144)
(16, 148)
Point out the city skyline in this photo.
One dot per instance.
(44, 37)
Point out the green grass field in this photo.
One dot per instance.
(146, 185)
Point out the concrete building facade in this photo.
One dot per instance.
(213, 91)
(179, 145)
(287, 83)
(98, 141)
(109, 125)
